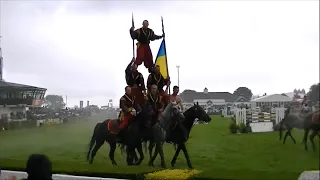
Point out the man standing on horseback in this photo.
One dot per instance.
(155, 102)
(144, 35)
(156, 78)
(128, 108)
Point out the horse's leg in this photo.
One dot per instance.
(305, 138)
(163, 162)
(154, 155)
(139, 148)
(130, 155)
(94, 149)
(312, 135)
(135, 157)
(185, 151)
(286, 135)
(173, 162)
(280, 130)
(289, 133)
(150, 148)
(113, 147)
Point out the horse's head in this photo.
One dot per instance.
(196, 111)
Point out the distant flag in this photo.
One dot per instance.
(161, 60)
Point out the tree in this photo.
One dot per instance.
(244, 92)
(313, 94)
(55, 101)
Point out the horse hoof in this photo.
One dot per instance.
(150, 164)
(172, 164)
(114, 163)
(138, 163)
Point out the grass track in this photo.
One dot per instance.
(213, 150)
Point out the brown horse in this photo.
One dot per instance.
(301, 120)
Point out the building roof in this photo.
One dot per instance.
(273, 98)
(4, 84)
(190, 95)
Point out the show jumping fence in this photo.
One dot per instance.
(254, 115)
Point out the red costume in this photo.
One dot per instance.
(126, 104)
(144, 54)
(157, 79)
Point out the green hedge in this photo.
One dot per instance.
(21, 124)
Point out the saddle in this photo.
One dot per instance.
(113, 126)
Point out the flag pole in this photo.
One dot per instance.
(165, 51)
(133, 52)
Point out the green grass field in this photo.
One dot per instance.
(213, 150)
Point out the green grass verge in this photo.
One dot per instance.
(212, 149)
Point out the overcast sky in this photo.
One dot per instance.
(81, 48)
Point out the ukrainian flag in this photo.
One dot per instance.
(161, 60)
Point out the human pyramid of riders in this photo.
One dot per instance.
(136, 93)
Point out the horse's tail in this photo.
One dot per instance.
(145, 144)
(92, 141)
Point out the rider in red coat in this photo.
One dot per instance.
(128, 108)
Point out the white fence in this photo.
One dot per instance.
(259, 121)
(20, 175)
(251, 115)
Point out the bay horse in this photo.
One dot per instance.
(108, 131)
(309, 121)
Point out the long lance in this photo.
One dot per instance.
(133, 52)
(165, 52)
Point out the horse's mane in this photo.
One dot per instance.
(166, 114)
(189, 118)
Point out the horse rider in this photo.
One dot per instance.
(287, 111)
(304, 103)
(155, 102)
(156, 78)
(128, 108)
(175, 98)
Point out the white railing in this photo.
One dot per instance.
(20, 175)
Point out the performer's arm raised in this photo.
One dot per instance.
(128, 69)
(154, 36)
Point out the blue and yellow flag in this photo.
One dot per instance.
(161, 60)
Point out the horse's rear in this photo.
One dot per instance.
(102, 132)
